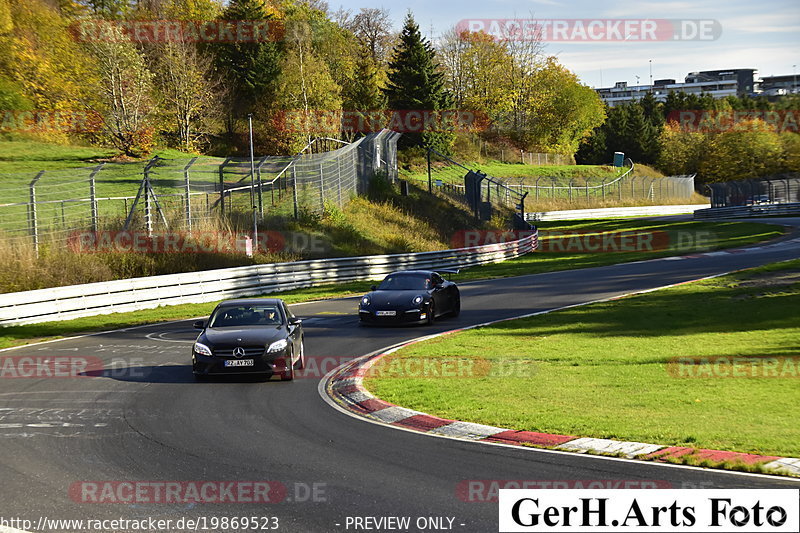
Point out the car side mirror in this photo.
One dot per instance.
(200, 324)
(374, 288)
(296, 321)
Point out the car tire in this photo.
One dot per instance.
(456, 307)
(301, 361)
(200, 377)
(288, 373)
(431, 314)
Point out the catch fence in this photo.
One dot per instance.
(447, 176)
(782, 189)
(183, 194)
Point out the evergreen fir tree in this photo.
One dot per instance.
(416, 83)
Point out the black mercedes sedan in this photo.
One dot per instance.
(257, 335)
(411, 297)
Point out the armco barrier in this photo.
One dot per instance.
(75, 301)
(748, 211)
(614, 212)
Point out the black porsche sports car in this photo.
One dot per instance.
(259, 335)
(411, 297)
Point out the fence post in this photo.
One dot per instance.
(570, 189)
(148, 217)
(188, 196)
(34, 219)
(633, 189)
(430, 181)
(294, 191)
(221, 171)
(339, 179)
(321, 188)
(587, 191)
(93, 194)
(603, 188)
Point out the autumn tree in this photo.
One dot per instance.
(125, 94)
(190, 96)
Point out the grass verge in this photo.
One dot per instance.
(728, 234)
(626, 369)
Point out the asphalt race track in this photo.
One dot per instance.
(145, 419)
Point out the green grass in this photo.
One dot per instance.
(603, 370)
(720, 235)
(528, 174)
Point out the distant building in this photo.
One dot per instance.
(779, 85)
(717, 83)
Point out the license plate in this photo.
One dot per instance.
(385, 313)
(238, 362)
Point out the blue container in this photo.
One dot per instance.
(619, 159)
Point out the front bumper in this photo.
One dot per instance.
(267, 364)
(407, 317)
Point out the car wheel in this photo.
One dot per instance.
(456, 307)
(301, 361)
(431, 314)
(200, 377)
(288, 373)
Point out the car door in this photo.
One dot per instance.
(439, 294)
(295, 330)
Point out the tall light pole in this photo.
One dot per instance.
(651, 74)
(794, 79)
(253, 185)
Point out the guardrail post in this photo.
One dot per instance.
(34, 222)
(93, 194)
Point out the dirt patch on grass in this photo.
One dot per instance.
(772, 280)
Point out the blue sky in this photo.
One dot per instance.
(759, 34)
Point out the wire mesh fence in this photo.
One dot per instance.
(183, 194)
(780, 189)
(448, 177)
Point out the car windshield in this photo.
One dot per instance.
(405, 282)
(246, 315)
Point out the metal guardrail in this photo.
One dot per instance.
(748, 211)
(615, 212)
(75, 301)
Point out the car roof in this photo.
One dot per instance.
(250, 301)
(412, 273)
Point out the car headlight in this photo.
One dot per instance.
(417, 300)
(202, 349)
(365, 300)
(278, 346)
